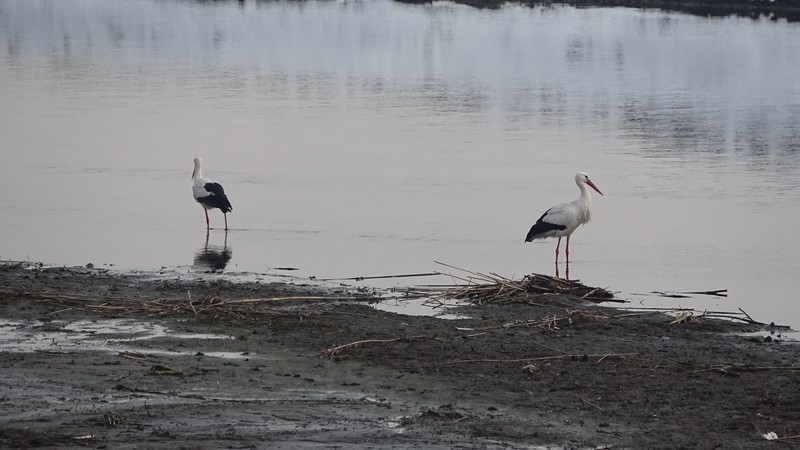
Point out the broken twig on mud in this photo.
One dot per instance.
(327, 353)
(541, 358)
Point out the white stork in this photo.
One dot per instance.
(562, 220)
(209, 194)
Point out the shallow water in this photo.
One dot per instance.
(374, 138)
(110, 335)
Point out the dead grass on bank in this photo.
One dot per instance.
(540, 290)
(214, 306)
(491, 288)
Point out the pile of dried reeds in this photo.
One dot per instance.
(483, 288)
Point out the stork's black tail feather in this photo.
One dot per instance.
(217, 199)
(225, 205)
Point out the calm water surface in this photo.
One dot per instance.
(371, 137)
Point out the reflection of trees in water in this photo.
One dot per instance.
(752, 10)
(446, 97)
(213, 257)
(676, 126)
(679, 126)
(580, 77)
(773, 10)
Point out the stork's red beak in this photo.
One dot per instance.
(589, 182)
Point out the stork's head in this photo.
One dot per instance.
(582, 179)
(198, 163)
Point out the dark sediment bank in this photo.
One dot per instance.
(256, 365)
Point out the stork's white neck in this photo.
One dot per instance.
(586, 194)
(584, 203)
(198, 169)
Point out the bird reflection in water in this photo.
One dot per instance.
(213, 258)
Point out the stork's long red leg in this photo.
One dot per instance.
(226, 221)
(557, 246)
(208, 224)
(567, 251)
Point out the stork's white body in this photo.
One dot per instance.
(563, 219)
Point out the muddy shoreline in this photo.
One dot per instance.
(291, 374)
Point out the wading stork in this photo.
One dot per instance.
(563, 219)
(209, 194)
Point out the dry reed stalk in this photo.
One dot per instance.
(591, 315)
(331, 351)
(546, 322)
(541, 358)
(726, 368)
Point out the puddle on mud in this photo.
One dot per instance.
(395, 424)
(424, 306)
(110, 335)
(784, 336)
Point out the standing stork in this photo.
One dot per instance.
(563, 219)
(209, 194)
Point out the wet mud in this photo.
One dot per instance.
(324, 368)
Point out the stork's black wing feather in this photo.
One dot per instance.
(542, 227)
(217, 199)
(215, 189)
